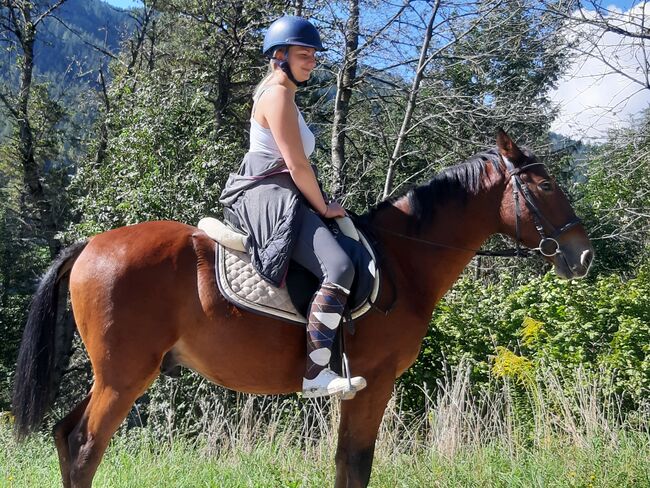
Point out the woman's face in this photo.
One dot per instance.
(302, 61)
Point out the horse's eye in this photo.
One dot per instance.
(545, 186)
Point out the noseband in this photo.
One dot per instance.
(548, 244)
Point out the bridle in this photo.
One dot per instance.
(548, 245)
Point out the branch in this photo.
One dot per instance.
(80, 36)
(372, 38)
(48, 12)
(10, 107)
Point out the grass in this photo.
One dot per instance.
(135, 460)
(464, 439)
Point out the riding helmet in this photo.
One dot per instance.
(291, 31)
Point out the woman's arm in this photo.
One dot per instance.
(278, 110)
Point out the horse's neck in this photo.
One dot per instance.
(427, 271)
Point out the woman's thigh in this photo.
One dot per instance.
(317, 250)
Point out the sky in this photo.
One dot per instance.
(124, 3)
(593, 97)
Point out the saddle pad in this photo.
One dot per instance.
(241, 285)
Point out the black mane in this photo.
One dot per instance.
(453, 183)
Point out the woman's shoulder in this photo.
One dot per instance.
(277, 92)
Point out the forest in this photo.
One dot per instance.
(111, 117)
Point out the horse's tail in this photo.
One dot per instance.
(46, 345)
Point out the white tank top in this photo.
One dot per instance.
(262, 140)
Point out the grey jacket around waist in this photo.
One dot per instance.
(268, 207)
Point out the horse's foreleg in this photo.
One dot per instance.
(360, 419)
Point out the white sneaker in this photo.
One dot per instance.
(329, 383)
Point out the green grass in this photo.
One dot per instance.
(545, 436)
(136, 460)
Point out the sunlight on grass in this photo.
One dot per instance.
(464, 439)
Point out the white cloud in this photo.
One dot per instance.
(604, 87)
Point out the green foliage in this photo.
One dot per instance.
(162, 162)
(603, 324)
(615, 198)
(24, 250)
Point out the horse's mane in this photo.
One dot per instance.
(452, 183)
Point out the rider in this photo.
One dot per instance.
(276, 199)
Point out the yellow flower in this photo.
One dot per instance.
(531, 330)
(507, 364)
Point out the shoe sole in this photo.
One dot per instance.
(343, 392)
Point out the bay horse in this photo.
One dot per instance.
(140, 291)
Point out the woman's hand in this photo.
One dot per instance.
(333, 210)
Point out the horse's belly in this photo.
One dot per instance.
(246, 355)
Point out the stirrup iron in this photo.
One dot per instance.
(350, 393)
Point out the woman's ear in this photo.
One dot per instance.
(280, 54)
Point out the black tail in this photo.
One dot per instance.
(46, 345)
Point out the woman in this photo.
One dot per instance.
(275, 198)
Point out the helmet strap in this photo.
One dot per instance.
(284, 66)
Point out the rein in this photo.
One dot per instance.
(548, 245)
(521, 252)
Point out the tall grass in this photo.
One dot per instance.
(545, 431)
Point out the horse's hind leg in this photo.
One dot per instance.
(107, 407)
(62, 430)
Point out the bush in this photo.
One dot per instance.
(602, 324)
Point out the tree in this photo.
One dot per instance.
(19, 21)
(614, 198)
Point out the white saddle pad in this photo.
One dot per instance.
(243, 286)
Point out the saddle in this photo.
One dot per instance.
(242, 286)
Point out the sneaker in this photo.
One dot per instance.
(329, 383)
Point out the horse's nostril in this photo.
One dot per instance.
(586, 258)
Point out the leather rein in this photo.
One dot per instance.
(548, 245)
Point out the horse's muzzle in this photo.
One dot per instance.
(573, 261)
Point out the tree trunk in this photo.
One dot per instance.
(297, 7)
(31, 171)
(344, 83)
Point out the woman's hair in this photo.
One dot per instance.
(270, 71)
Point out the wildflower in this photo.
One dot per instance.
(531, 331)
(507, 364)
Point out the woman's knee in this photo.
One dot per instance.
(341, 271)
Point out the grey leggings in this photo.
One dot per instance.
(317, 250)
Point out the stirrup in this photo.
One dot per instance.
(350, 393)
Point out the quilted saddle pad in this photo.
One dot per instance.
(241, 285)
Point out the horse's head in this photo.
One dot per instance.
(536, 212)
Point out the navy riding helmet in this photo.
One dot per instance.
(291, 31)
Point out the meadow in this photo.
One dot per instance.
(507, 435)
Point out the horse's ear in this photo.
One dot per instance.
(507, 148)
